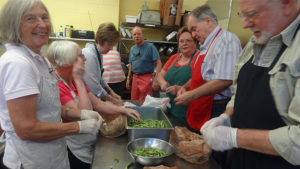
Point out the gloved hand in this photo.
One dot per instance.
(222, 120)
(221, 138)
(90, 126)
(89, 114)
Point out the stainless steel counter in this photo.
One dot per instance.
(108, 149)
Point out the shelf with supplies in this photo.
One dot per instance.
(164, 47)
(151, 41)
(128, 24)
(72, 39)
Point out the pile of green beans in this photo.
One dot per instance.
(149, 152)
(147, 123)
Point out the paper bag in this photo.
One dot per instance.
(189, 145)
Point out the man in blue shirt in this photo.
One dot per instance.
(143, 56)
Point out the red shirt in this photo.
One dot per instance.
(171, 61)
(65, 93)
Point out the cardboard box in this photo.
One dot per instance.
(165, 12)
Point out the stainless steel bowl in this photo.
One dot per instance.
(147, 143)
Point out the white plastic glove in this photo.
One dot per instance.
(89, 114)
(90, 126)
(222, 120)
(221, 138)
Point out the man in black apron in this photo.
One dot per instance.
(265, 108)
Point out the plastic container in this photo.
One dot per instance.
(61, 32)
(67, 31)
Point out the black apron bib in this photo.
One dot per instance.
(254, 108)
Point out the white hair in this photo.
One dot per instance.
(10, 18)
(62, 53)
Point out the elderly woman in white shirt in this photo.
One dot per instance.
(68, 60)
(30, 111)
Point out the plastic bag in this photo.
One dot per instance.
(161, 103)
(189, 145)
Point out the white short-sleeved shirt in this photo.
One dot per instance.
(18, 78)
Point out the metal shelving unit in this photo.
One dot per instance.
(152, 41)
(124, 41)
(73, 39)
(127, 24)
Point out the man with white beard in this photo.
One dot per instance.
(265, 126)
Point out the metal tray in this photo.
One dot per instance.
(154, 114)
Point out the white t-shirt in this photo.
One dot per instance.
(18, 77)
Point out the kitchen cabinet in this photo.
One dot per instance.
(165, 48)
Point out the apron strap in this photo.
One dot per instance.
(189, 60)
(208, 46)
(99, 59)
(71, 90)
(283, 47)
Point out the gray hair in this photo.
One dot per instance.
(10, 19)
(201, 12)
(62, 53)
(137, 27)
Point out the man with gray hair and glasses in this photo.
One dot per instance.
(210, 86)
(264, 111)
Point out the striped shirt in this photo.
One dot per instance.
(220, 59)
(113, 72)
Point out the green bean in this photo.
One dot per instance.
(149, 152)
(147, 123)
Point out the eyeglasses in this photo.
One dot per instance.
(186, 41)
(250, 15)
